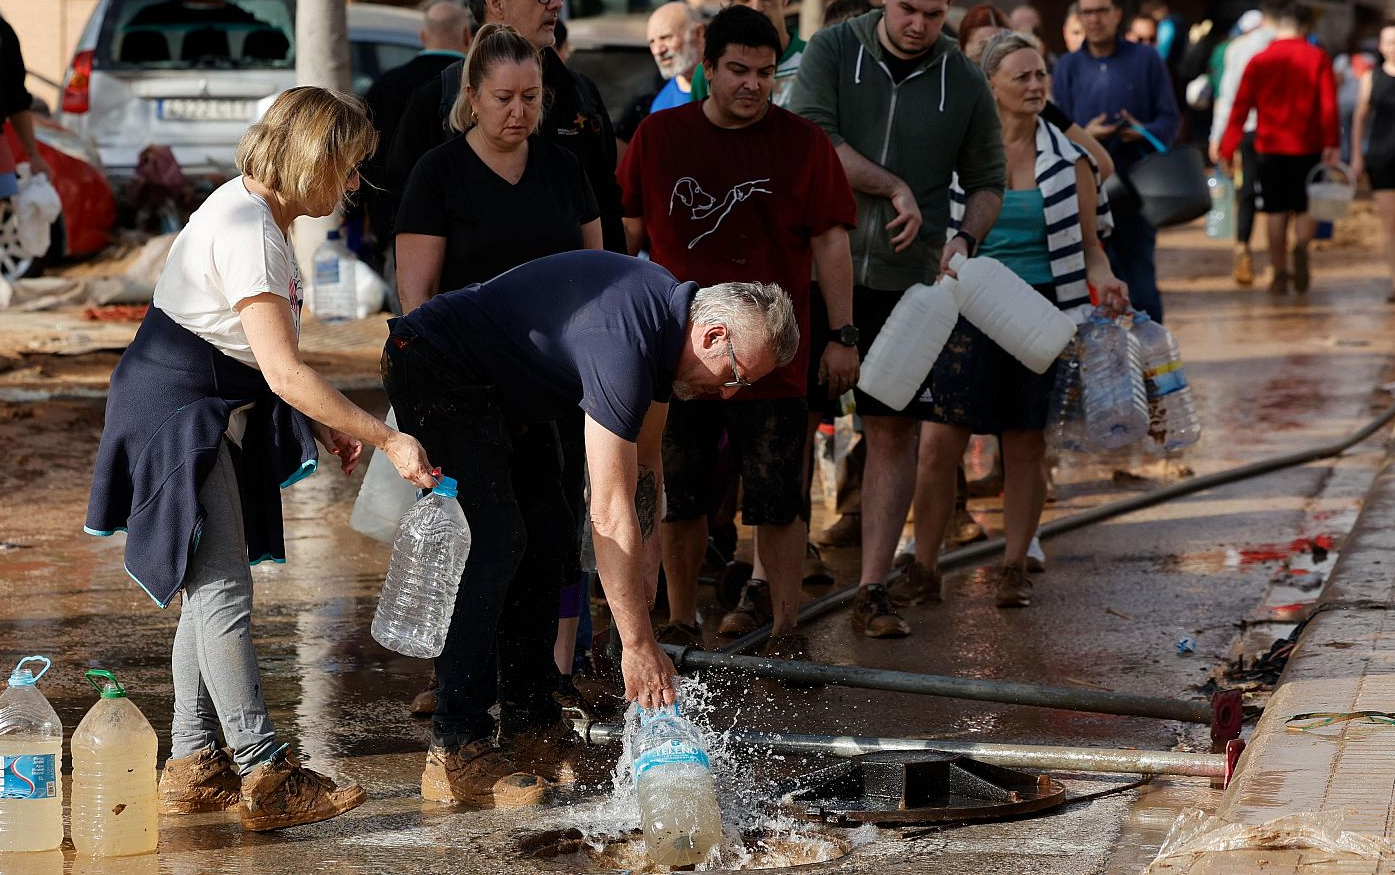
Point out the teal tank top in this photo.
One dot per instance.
(1018, 238)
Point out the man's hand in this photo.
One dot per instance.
(1227, 167)
(907, 218)
(1127, 132)
(409, 458)
(1214, 150)
(1100, 127)
(38, 165)
(648, 674)
(1332, 156)
(348, 449)
(1358, 167)
(952, 246)
(838, 369)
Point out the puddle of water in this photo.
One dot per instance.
(761, 851)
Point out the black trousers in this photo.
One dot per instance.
(499, 648)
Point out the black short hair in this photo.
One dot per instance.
(742, 26)
(1281, 10)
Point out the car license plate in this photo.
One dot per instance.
(192, 109)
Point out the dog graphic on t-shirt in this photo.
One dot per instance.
(703, 206)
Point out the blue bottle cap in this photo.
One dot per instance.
(446, 487)
(333, 234)
(22, 677)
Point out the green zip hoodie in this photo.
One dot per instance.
(940, 119)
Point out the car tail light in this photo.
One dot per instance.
(75, 93)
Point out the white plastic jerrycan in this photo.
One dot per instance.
(1013, 314)
(908, 344)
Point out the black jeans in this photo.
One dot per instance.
(499, 648)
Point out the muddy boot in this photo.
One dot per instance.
(205, 781)
(847, 532)
(964, 529)
(916, 584)
(679, 635)
(872, 615)
(752, 612)
(424, 705)
(1013, 587)
(1244, 267)
(478, 775)
(281, 792)
(556, 753)
(1302, 278)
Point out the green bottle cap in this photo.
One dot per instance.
(112, 689)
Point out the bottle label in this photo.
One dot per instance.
(29, 777)
(1165, 380)
(326, 271)
(669, 753)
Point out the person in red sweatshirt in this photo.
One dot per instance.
(1292, 91)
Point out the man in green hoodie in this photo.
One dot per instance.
(906, 112)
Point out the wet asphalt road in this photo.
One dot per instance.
(1271, 376)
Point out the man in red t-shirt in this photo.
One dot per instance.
(736, 189)
(1291, 88)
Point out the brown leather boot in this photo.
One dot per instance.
(556, 753)
(205, 781)
(281, 793)
(1014, 587)
(752, 612)
(424, 705)
(915, 584)
(873, 617)
(479, 775)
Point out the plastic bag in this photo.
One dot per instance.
(36, 207)
(1194, 832)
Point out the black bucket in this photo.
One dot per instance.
(1167, 187)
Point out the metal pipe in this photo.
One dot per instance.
(982, 690)
(1019, 756)
(965, 555)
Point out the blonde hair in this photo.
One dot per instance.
(494, 44)
(309, 140)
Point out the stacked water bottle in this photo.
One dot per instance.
(1121, 383)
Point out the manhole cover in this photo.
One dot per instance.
(574, 852)
(921, 787)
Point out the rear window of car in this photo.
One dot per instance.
(197, 34)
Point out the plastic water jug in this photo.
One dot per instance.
(1220, 220)
(114, 810)
(1013, 314)
(1172, 418)
(384, 496)
(1111, 381)
(908, 344)
(677, 799)
(428, 557)
(1065, 421)
(31, 754)
(334, 288)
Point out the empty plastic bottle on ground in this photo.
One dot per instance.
(908, 344)
(677, 799)
(1013, 314)
(31, 754)
(428, 557)
(114, 808)
(334, 288)
(1115, 406)
(1172, 418)
(1220, 220)
(1065, 422)
(383, 497)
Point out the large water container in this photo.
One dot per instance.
(428, 557)
(1065, 421)
(677, 798)
(1013, 314)
(1172, 418)
(31, 754)
(334, 289)
(1220, 220)
(1111, 380)
(908, 344)
(384, 496)
(114, 804)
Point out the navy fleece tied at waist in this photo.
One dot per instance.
(171, 397)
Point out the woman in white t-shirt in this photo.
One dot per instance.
(231, 282)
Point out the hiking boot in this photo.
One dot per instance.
(916, 584)
(1302, 276)
(1244, 270)
(480, 776)
(964, 529)
(679, 635)
(846, 532)
(1013, 587)
(555, 752)
(872, 615)
(816, 571)
(281, 792)
(752, 612)
(424, 705)
(204, 781)
(1278, 282)
(1036, 557)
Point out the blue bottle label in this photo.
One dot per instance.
(32, 776)
(1165, 380)
(669, 753)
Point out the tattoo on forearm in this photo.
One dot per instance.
(647, 502)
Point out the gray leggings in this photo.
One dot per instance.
(215, 669)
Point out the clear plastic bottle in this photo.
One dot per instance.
(905, 349)
(114, 810)
(335, 289)
(1014, 315)
(1111, 381)
(384, 496)
(1065, 422)
(677, 799)
(31, 754)
(428, 557)
(1173, 423)
(1220, 220)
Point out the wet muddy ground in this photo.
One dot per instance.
(1271, 376)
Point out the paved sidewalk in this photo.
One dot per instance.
(1340, 778)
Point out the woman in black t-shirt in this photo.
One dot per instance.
(499, 196)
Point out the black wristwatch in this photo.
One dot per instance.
(970, 239)
(847, 335)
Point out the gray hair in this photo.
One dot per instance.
(1002, 44)
(750, 310)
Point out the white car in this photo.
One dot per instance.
(194, 74)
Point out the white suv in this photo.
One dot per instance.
(193, 74)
